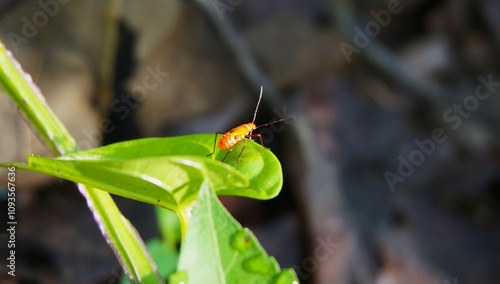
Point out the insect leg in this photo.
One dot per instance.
(230, 150)
(256, 135)
(215, 143)
(241, 152)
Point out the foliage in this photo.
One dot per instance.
(174, 173)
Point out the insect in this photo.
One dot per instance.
(233, 137)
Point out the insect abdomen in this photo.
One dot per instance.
(235, 135)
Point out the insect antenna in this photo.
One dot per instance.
(258, 103)
(255, 114)
(273, 122)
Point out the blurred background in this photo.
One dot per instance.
(391, 167)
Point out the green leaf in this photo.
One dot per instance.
(218, 250)
(258, 164)
(168, 171)
(171, 182)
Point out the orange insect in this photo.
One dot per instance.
(233, 137)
